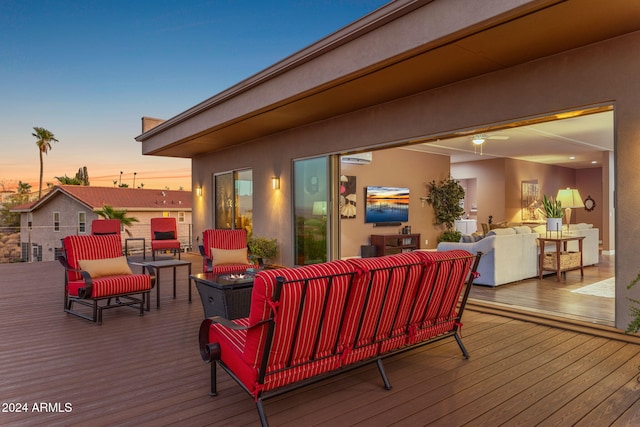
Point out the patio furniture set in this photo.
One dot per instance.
(275, 330)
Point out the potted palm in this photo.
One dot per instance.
(554, 213)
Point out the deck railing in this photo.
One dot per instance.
(26, 245)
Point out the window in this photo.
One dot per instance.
(56, 221)
(181, 216)
(166, 214)
(82, 222)
(234, 200)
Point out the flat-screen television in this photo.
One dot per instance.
(386, 204)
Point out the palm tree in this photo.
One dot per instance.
(108, 212)
(44, 140)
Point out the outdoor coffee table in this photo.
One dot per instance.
(226, 295)
(158, 266)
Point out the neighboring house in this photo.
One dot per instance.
(70, 209)
(410, 74)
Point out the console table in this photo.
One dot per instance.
(561, 260)
(387, 244)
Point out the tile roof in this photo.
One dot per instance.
(119, 198)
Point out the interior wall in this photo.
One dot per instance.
(395, 168)
(499, 187)
(589, 183)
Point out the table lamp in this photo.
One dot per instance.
(569, 199)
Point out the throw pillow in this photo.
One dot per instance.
(163, 235)
(522, 229)
(105, 267)
(501, 232)
(229, 256)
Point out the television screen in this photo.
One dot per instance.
(386, 204)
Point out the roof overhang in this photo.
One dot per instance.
(358, 66)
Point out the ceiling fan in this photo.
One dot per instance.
(479, 139)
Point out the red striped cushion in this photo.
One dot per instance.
(90, 247)
(439, 300)
(290, 302)
(114, 285)
(393, 280)
(224, 239)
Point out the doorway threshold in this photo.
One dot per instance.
(599, 328)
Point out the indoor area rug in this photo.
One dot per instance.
(604, 288)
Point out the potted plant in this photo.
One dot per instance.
(445, 198)
(554, 213)
(261, 248)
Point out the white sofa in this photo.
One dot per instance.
(508, 255)
(511, 254)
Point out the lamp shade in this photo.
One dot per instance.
(570, 198)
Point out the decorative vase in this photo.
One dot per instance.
(554, 224)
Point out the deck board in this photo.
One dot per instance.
(144, 371)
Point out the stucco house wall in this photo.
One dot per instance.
(603, 73)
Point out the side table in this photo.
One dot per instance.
(561, 245)
(158, 266)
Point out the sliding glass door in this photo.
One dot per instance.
(311, 210)
(234, 200)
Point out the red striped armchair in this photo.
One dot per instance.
(98, 277)
(225, 251)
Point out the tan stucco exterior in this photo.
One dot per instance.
(559, 73)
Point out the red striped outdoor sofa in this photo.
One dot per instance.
(97, 276)
(308, 323)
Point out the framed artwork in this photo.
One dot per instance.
(530, 201)
(347, 196)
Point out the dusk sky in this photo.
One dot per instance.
(89, 70)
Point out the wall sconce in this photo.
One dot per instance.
(275, 183)
(199, 191)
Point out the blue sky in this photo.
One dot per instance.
(89, 70)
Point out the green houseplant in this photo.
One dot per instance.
(445, 197)
(261, 247)
(554, 213)
(552, 208)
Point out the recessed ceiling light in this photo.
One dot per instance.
(572, 157)
(593, 162)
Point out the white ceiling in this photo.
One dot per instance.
(553, 142)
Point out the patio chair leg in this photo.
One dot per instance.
(95, 311)
(214, 384)
(385, 380)
(464, 350)
(263, 417)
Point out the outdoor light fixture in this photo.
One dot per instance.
(199, 191)
(569, 198)
(275, 183)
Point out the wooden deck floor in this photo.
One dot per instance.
(147, 371)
